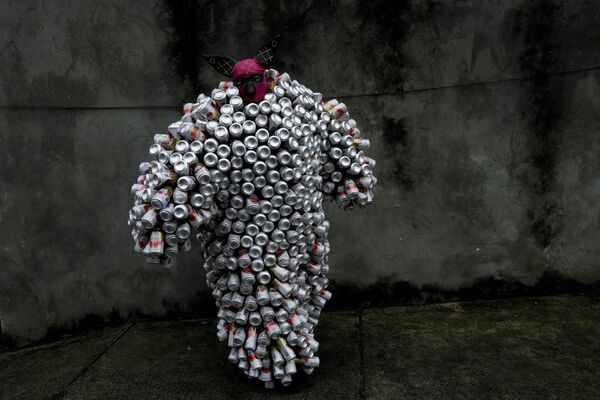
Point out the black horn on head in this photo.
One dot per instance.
(266, 54)
(223, 65)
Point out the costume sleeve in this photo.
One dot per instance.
(347, 170)
(174, 193)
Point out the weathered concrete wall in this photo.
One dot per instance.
(482, 114)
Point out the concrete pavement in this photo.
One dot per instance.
(529, 348)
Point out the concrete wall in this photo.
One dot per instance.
(482, 114)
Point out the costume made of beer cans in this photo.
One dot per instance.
(246, 171)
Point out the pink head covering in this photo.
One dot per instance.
(251, 88)
(245, 68)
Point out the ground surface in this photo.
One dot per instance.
(533, 348)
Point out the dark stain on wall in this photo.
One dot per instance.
(389, 291)
(194, 26)
(388, 23)
(536, 26)
(284, 18)
(180, 22)
(399, 150)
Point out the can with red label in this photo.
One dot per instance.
(156, 243)
(351, 189)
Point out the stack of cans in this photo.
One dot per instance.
(249, 181)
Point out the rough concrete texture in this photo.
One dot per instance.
(36, 373)
(461, 196)
(534, 348)
(184, 360)
(69, 248)
(93, 53)
(544, 348)
(476, 179)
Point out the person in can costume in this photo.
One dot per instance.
(246, 170)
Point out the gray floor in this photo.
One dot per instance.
(535, 348)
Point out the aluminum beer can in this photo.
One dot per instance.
(351, 189)
(236, 102)
(190, 158)
(262, 296)
(156, 244)
(149, 219)
(186, 183)
(219, 96)
(161, 198)
(166, 213)
(202, 174)
(179, 196)
(206, 110)
(138, 211)
(251, 110)
(249, 127)
(182, 211)
(183, 231)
